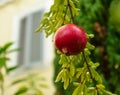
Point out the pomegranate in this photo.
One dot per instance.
(70, 39)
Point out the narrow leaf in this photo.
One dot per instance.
(76, 91)
(72, 69)
(18, 81)
(79, 72)
(59, 76)
(21, 90)
(90, 46)
(96, 76)
(3, 61)
(43, 85)
(66, 83)
(7, 46)
(11, 69)
(107, 92)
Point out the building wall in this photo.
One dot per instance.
(7, 14)
(10, 18)
(8, 11)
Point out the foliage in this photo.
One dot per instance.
(4, 51)
(78, 71)
(103, 23)
(31, 84)
(115, 14)
(58, 15)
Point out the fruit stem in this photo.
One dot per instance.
(90, 71)
(72, 17)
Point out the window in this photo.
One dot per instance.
(35, 49)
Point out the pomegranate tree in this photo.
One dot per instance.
(78, 69)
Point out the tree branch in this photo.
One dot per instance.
(90, 71)
(71, 13)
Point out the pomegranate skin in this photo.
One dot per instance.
(70, 39)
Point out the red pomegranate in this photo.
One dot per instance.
(70, 39)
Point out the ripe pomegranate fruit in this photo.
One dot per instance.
(70, 39)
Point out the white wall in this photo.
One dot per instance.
(11, 14)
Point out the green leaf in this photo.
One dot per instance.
(72, 69)
(11, 69)
(77, 90)
(85, 90)
(13, 50)
(96, 76)
(83, 76)
(79, 72)
(63, 59)
(100, 86)
(90, 35)
(76, 83)
(90, 46)
(59, 76)
(66, 83)
(21, 90)
(18, 81)
(3, 62)
(65, 78)
(74, 9)
(43, 85)
(96, 93)
(39, 92)
(5, 47)
(87, 52)
(94, 65)
(106, 92)
(92, 91)
(59, 2)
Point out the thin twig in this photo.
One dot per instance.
(90, 72)
(72, 19)
(71, 13)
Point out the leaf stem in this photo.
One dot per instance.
(90, 71)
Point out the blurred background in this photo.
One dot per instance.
(36, 61)
(18, 21)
